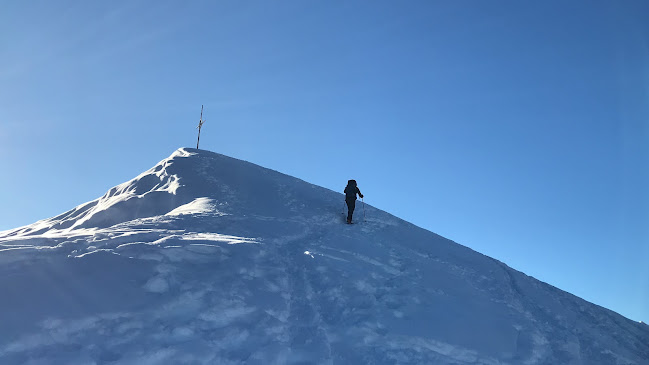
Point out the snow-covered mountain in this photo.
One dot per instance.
(205, 259)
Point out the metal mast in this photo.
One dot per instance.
(200, 124)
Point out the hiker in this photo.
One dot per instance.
(350, 198)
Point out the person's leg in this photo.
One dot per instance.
(351, 205)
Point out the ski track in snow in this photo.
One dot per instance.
(271, 275)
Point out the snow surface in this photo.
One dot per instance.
(205, 259)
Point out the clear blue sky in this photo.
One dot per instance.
(517, 128)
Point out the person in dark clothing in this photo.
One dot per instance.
(350, 198)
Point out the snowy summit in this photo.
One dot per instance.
(205, 259)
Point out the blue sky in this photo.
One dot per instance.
(517, 128)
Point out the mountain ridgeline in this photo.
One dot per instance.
(206, 259)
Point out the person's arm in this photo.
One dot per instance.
(359, 192)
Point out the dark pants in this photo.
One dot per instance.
(351, 205)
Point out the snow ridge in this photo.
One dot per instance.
(206, 259)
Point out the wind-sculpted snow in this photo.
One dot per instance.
(224, 262)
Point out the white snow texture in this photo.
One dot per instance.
(205, 259)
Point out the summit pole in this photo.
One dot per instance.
(200, 124)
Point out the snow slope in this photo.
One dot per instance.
(205, 259)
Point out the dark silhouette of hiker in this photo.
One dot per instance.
(350, 198)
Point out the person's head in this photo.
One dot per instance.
(351, 182)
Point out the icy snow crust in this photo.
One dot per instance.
(205, 259)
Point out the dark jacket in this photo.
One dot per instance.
(351, 190)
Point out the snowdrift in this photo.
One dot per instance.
(205, 259)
